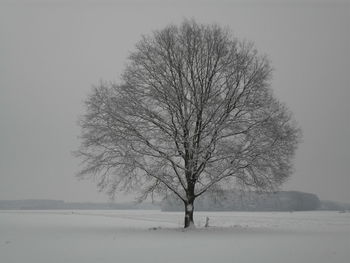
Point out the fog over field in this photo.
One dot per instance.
(52, 52)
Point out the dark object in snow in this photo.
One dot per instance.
(206, 222)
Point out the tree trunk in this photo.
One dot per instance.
(189, 214)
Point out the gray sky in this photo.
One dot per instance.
(52, 52)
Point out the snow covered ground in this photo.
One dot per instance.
(153, 236)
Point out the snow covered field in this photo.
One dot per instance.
(153, 236)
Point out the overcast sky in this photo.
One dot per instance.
(52, 52)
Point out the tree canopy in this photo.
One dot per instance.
(194, 111)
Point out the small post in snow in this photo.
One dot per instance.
(206, 222)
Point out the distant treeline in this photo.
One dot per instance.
(38, 204)
(253, 201)
(223, 201)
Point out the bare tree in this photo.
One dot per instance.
(194, 112)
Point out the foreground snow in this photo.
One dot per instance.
(152, 236)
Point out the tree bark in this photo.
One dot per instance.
(189, 214)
